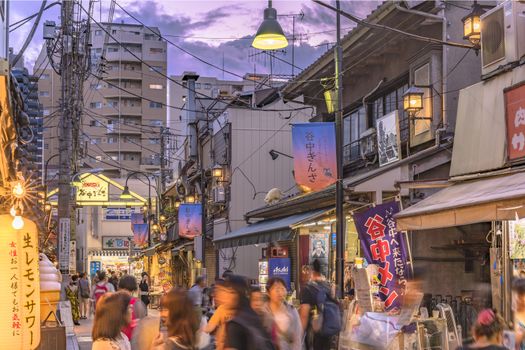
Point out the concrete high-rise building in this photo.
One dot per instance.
(123, 112)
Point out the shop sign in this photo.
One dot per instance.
(515, 115)
(92, 188)
(72, 256)
(190, 220)
(64, 226)
(280, 267)
(94, 267)
(140, 230)
(115, 242)
(386, 247)
(314, 154)
(19, 285)
(517, 239)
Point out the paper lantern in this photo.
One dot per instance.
(19, 285)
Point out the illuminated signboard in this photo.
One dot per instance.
(92, 188)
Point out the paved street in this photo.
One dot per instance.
(83, 333)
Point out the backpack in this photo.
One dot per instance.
(328, 321)
(100, 290)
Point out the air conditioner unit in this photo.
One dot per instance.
(219, 194)
(502, 35)
(278, 252)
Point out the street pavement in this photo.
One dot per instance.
(83, 333)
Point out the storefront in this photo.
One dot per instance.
(105, 260)
(182, 262)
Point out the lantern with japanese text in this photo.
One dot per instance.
(19, 285)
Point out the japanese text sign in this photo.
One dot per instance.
(190, 220)
(19, 285)
(386, 247)
(314, 154)
(92, 188)
(140, 230)
(515, 115)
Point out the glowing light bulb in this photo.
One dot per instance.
(12, 211)
(18, 223)
(18, 190)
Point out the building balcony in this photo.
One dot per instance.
(123, 56)
(115, 92)
(123, 110)
(115, 74)
(125, 147)
(127, 37)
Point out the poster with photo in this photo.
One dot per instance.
(388, 138)
(319, 249)
(517, 239)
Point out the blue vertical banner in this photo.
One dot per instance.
(314, 152)
(386, 247)
(280, 267)
(94, 267)
(190, 220)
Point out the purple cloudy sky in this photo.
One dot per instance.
(211, 30)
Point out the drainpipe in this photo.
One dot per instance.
(444, 63)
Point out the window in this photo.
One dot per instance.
(112, 140)
(197, 85)
(46, 146)
(156, 50)
(133, 48)
(115, 158)
(95, 123)
(136, 33)
(207, 86)
(154, 141)
(155, 122)
(95, 105)
(43, 93)
(155, 104)
(148, 36)
(155, 86)
(390, 101)
(45, 112)
(114, 31)
(113, 104)
(96, 141)
(44, 76)
(98, 32)
(112, 49)
(354, 125)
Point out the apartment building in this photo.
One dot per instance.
(124, 111)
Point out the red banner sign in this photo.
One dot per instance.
(515, 115)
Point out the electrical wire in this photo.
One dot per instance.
(27, 19)
(30, 35)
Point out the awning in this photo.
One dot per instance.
(469, 202)
(266, 231)
(151, 250)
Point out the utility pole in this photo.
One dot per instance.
(73, 40)
(163, 160)
(340, 222)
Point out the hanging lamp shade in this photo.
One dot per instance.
(125, 193)
(270, 35)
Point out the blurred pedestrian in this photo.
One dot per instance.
(488, 332)
(280, 318)
(257, 300)
(226, 274)
(245, 330)
(144, 289)
(196, 294)
(518, 294)
(83, 295)
(308, 309)
(182, 323)
(225, 303)
(72, 296)
(128, 284)
(149, 328)
(113, 279)
(112, 314)
(101, 287)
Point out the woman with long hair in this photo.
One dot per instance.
(181, 322)
(280, 318)
(245, 330)
(113, 313)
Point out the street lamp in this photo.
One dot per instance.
(413, 100)
(270, 35)
(177, 203)
(190, 199)
(77, 182)
(275, 154)
(125, 193)
(472, 24)
(217, 172)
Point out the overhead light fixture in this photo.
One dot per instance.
(18, 190)
(472, 24)
(47, 207)
(217, 172)
(270, 35)
(190, 199)
(177, 203)
(18, 221)
(126, 194)
(275, 154)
